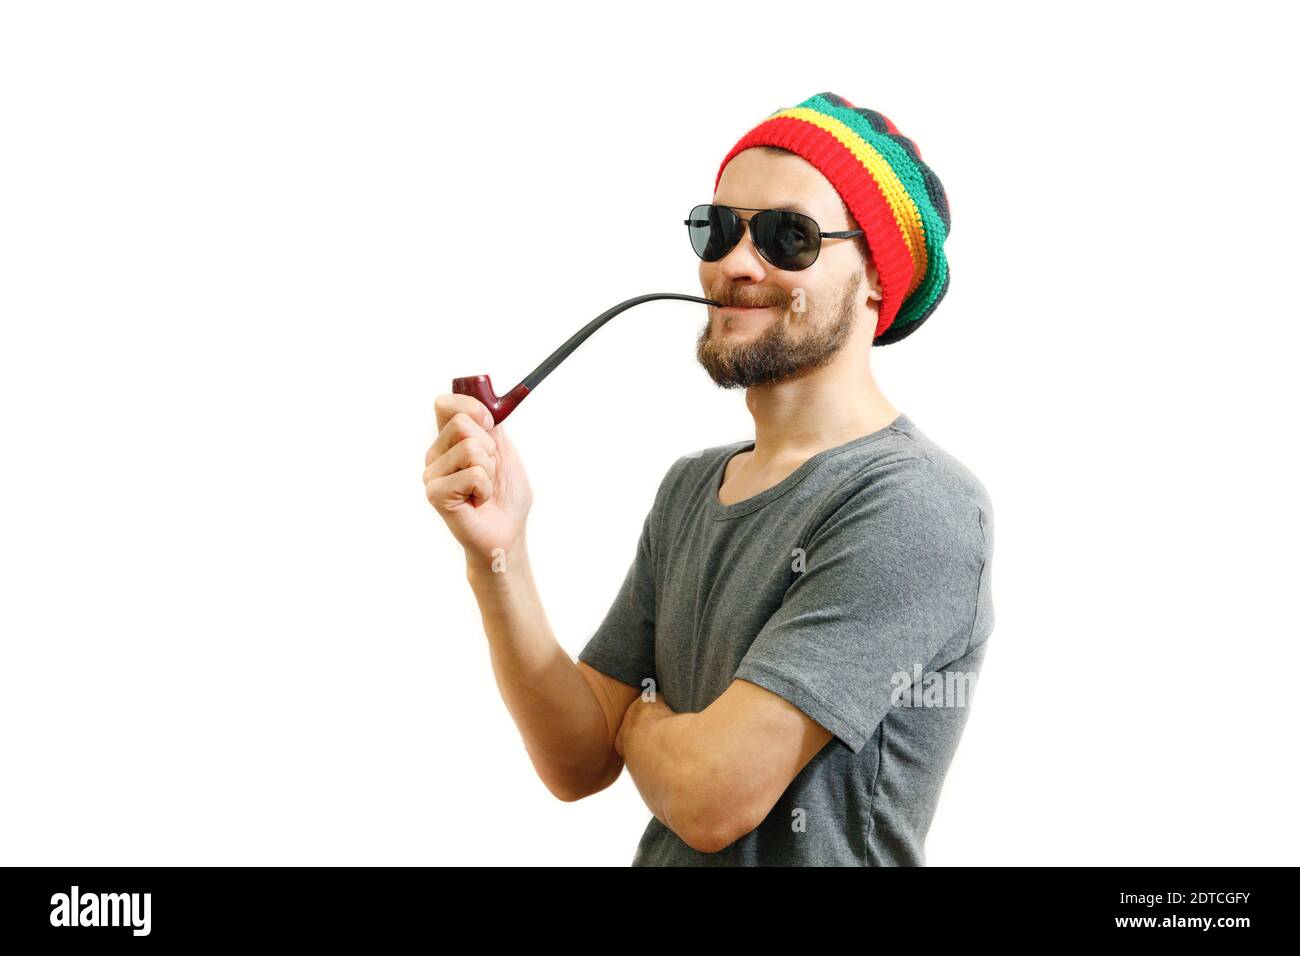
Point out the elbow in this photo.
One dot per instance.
(567, 793)
(709, 816)
(706, 837)
(566, 790)
(570, 792)
(570, 787)
(713, 830)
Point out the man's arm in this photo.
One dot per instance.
(714, 776)
(568, 714)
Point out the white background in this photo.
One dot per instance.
(244, 245)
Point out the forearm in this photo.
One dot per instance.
(563, 727)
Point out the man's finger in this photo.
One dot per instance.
(445, 406)
(469, 485)
(463, 454)
(459, 427)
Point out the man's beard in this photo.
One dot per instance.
(776, 355)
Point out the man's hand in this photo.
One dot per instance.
(568, 715)
(639, 712)
(475, 480)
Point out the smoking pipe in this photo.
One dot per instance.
(480, 386)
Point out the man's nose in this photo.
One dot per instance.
(743, 261)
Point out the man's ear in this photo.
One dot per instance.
(868, 264)
(873, 282)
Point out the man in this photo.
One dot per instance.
(787, 667)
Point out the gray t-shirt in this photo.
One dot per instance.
(858, 590)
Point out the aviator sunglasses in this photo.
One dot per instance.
(788, 240)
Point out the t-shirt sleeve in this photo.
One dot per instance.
(890, 580)
(623, 647)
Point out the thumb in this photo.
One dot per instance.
(502, 439)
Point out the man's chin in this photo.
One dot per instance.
(725, 367)
(727, 340)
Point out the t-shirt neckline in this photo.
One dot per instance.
(719, 511)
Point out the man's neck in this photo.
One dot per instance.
(796, 419)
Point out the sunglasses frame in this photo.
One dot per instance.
(843, 234)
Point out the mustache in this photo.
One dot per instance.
(748, 301)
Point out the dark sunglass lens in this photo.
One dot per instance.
(789, 240)
(713, 231)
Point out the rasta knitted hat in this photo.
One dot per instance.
(896, 198)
